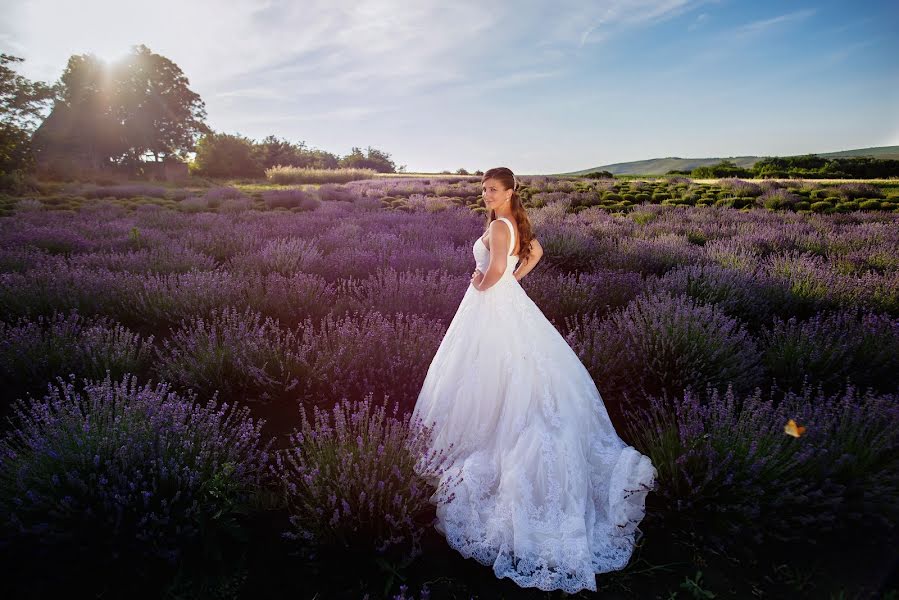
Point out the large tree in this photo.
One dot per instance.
(160, 114)
(121, 113)
(21, 103)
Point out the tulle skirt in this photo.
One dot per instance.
(543, 489)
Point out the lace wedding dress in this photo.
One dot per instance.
(545, 491)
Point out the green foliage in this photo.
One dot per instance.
(371, 159)
(725, 168)
(117, 114)
(870, 205)
(273, 152)
(226, 155)
(819, 167)
(21, 102)
(600, 175)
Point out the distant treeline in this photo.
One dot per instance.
(809, 166)
(225, 155)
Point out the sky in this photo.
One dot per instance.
(539, 87)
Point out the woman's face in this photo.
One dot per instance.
(494, 194)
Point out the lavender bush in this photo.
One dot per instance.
(740, 188)
(293, 299)
(330, 192)
(52, 287)
(216, 195)
(562, 296)
(294, 198)
(240, 355)
(33, 352)
(356, 354)
(123, 471)
(435, 294)
(727, 469)
(352, 484)
(280, 255)
(652, 256)
(568, 248)
(777, 199)
(830, 348)
(737, 293)
(661, 344)
(855, 190)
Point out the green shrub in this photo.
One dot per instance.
(225, 155)
(696, 237)
(870, 205)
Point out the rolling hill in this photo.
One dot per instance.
(660, 166)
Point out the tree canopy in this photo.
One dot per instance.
(371, 159)
(21, 103)
(118, 114)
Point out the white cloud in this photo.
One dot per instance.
(757, 27)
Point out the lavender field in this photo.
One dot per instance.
(209, 388)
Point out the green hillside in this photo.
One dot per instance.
(660, 166)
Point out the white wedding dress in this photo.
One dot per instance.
(545, 491)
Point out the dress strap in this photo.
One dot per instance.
(512, 229)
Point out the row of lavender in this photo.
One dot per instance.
(349, 300)
(407, 194)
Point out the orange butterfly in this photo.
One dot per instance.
(791, 428)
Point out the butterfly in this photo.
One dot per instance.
(791, 428)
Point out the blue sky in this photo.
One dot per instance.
(539, 87)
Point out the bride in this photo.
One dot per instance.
(543, 489)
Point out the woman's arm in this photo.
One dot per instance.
(536, 255)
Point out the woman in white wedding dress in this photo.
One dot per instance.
(543, 489)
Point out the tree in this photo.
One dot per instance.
(225, 155)
(272, 152)
(116, 115)
(160, 114)
(82, 126)
(374, 159)
(21, 104)
(600, 175)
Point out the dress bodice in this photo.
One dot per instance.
(482, 253)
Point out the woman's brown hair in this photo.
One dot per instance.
(525, 232)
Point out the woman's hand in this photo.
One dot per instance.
(476, 278)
